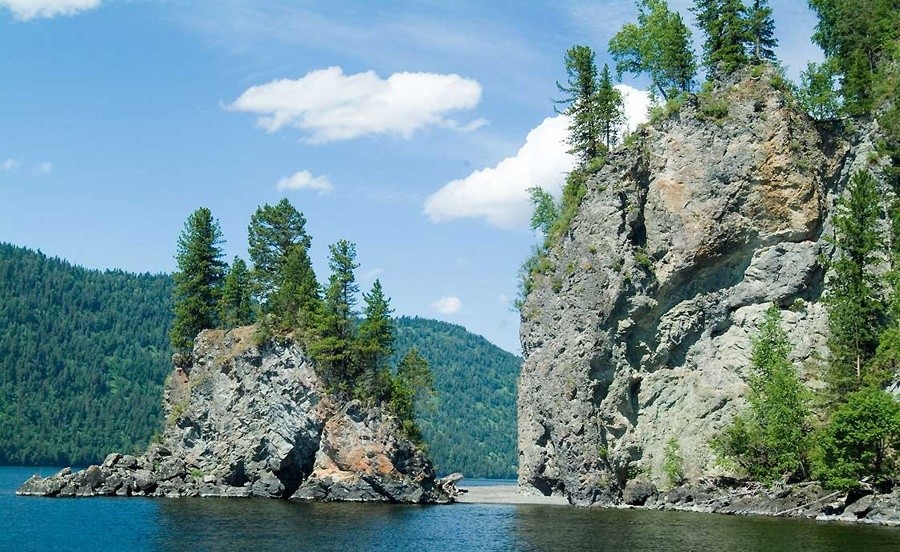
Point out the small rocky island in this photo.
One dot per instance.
(248, 420)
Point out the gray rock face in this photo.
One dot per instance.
(242, 421)
(640, 332)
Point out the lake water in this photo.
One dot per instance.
(137, 524)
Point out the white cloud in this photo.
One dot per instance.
(44, 167)
(10, 164)
(26, 10)
(637, 105)
(499, 193)
(304, 180)
(331, 106)
(447, 305)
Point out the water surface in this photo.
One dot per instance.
(195, 525)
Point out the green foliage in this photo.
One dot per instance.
(673, 463)
(762, 31)
(336, 329)
(236, 305)
(274, 232)
(853, 295)
(546, 212)
(770, 441)
(472, 427)
(711, 107)
(413, 383)
(581, 103)
(859, 40)
(198, 278)
(610, 109)
(83, 355)
(375, 344)
(658, 45)
(659, 113)
(861, 440)
(817, 94)
(727, 31)
(295, 305)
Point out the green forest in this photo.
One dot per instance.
(83, 355)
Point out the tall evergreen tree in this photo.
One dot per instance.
(375, 343)
(853, 296)
(762, 31)
(725, 25)
(658, 45)
(336, 327)
(198, 278)
(235, 305)
(295, 304)
(273, 234)
(771, 441)
(412, 384)
(581, 103)
(610, 109)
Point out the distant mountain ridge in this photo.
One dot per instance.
(83, 356)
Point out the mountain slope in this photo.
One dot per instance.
(83, 356)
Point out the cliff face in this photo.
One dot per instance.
(248, 421)
(640, 333)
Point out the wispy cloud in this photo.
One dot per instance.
(44, 167)
(26, 10)
(304, 180)
(10, 164)
(447, 305)
(331, 106)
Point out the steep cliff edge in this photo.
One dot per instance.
(243, 420)
(639, 332)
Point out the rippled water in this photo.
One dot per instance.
(258, 525)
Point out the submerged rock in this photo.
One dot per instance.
(245, 421)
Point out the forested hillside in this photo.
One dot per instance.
(472, 427)
(83, 355)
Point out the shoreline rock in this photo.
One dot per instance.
(245, 421)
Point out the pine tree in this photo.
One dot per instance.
(581, 103)
(725, 25)
(198, 278)
(853, 295)
(771, 440)
(546, 211)
(273, 233)
(412, 384)
(235, 305)
(295, 304)
(610, 109)
(375, 343)
(335, 346)
(762, 31)
(658, 45)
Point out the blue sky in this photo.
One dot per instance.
(410, 128)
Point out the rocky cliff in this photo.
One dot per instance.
(243, 420)
(639, 332)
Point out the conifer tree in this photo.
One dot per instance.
(375, 343)
(235, 305)
(762, 31)
(198, 278)
(336, 326)
(412, 383)
(273, 233)
(725, 25)
(853, 295)
(610, 109)
(658, 45)
(771, 440)
(295, 303)
(581, 103)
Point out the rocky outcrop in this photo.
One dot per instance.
(243, 420)
(639, 332)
